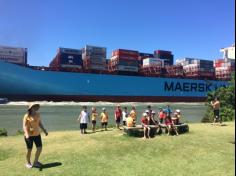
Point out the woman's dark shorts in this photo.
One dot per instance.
(83, 126)
(94, 122)
(124, 123)
(217, 114)
(104, 123)
(33, 139)
(118, 120)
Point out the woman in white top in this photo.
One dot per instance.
(83, 120)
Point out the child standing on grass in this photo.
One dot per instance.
(31, 124)
(104, 119)
(94, 117)
(83, 120)
(118, 115)
(124, 116)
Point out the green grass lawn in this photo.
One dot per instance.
(205, 150)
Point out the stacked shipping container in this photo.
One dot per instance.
(67, 58)
(14, 55)
(224, 68)
(167, 56)
(94, 58)
(197, 68)
(124, 61)
(173, 71)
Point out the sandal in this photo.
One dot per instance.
(28, 165)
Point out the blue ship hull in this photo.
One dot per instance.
(23, 83)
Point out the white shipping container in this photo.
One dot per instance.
(13, 54)
(69, 51)
(89, 54)
(127, 68)
(153, 61)
(97, 67)
(70, 66)
(222, 68)
(94, 50)
(183, 61)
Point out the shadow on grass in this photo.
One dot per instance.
(99, 130)
(50, 165)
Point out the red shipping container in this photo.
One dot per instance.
(123, 52)
(162, 52)
(124, 57)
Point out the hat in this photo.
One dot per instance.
(177, 110)
(153, 112)
(33, 105)
(103, 109)
(144, 114)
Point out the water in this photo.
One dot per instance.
(63, 115)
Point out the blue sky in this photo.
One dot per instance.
(188, 28)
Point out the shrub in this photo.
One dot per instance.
(3, 132)
(19, 132)
(227, 114)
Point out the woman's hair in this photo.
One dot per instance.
(93, 109)
(29, 112)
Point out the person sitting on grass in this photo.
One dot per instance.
(146, 128)
(130, 122)
(153, 120)
(170, 125)
(83, 120)
(133, 114)
(104, 119)
(176, 117)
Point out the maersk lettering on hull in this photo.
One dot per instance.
(191, 87)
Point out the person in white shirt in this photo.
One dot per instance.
(124, 115)
(83, 120)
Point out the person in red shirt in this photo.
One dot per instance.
(161, 115)
(146, 128)
(118, 115)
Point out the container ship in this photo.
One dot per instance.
(127, 76)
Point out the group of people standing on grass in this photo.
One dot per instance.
(149, 117)
(119, 114)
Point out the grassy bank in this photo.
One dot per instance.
(205, 150)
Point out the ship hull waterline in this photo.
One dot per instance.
(89, 98)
